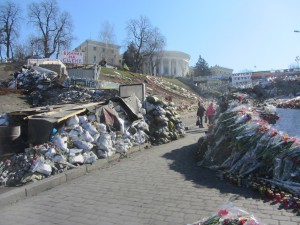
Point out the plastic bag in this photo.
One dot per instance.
(4, 119)
(229, 214)
(72, 121)
(102, 128)
(85, 146)
(104, 142)
(83, 119)
(41, 166)
(76, 159)
(86, 136)
(104, 154)
(92, 117)
(90, 128)
(89, 157)
(61, 142)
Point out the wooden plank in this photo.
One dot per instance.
(64, 112)
(70, 115)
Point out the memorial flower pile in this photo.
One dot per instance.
(244, 148)
(293, 103)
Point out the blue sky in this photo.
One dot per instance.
(238, 34)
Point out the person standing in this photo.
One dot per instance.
(210, 112)
(200, 114)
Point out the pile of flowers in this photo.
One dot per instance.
(246, 148)
(293, 103)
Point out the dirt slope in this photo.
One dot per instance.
(14, 100)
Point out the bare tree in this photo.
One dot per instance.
(1, 42)
(20, 53)
(154, 48)
(107, 33)
(35, 46)
(146, 39)
(107, 36)
(54, 28)
(65, 37)
(9, 19)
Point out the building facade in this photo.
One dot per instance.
(168, 63)
(220, 72)
(242, 80)
(96, 51)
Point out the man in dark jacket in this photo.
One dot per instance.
(200, 114)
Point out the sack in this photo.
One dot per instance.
(197, 123)
(205, 119)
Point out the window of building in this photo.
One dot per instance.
(112, 51)
(103, 49)
(95, 59)
(95, 48)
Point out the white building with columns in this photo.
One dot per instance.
(169, 63)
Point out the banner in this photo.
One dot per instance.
(72, 57)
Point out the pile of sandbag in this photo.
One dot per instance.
(82, 139)
(164, 122)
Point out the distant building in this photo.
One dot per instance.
(219, 75)
(220, 72)
(242, 80)
(169, 63)
(96, 51)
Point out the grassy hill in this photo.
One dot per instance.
(155, 85)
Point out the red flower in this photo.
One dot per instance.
(223, 212)
(243, 221)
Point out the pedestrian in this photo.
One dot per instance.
(210, 112)
(200, 114)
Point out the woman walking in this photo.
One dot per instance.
(210, 112)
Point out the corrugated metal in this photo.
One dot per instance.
(81, 73)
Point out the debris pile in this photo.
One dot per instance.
(103, 130)
(29, 78)
(81, 139)
(62, 134)
(45, 89)
(67, 95)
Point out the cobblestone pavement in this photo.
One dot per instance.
(158, 186)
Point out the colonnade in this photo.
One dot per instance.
(168, 66)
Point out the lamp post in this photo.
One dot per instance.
(297, 57)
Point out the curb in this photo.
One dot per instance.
(32, 189)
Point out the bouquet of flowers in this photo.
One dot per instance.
(229, 215)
